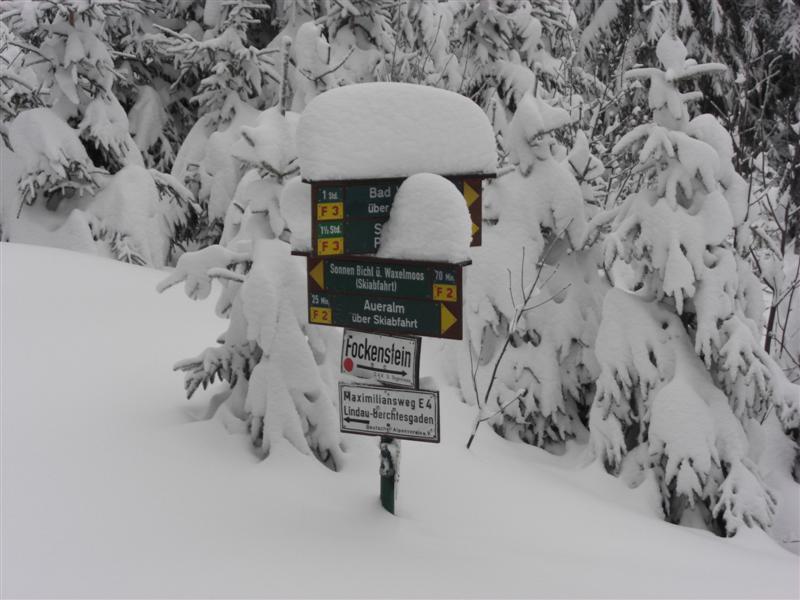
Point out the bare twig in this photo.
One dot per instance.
(329, 71)
(518, 312)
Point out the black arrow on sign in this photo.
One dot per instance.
(379, 370)
(352, 420)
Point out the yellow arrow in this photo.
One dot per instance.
(470, 195)
(448, 319)
(318, 274)
(474, 228)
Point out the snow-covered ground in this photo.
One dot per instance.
(113, 485)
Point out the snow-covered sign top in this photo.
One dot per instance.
(374, 130)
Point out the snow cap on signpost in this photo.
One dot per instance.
(428, 221)
(345, 133)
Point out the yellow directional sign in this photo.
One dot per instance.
(318, 274)
(448, 319)
(470, 195)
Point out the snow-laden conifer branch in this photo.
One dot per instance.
(196, 269)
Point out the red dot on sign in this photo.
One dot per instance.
(348, 364)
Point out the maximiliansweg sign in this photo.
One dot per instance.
(392, 412)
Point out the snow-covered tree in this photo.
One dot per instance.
(504, 49)
(532, 294)
(153, 91)
(68, 49)
(775, 224)
(345, 43)
(220, 56)
(80, 174)
(272, 362)
(18, 86)
(682, 370)
(759, 39)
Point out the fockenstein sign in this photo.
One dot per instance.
(389, 359)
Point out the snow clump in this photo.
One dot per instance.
(429, 220)
(529, 131)
(345, 133)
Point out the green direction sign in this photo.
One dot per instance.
(362, 200)
(351, 237)
(386, 296)
(432, 319)
(386, 277)
(347, 216)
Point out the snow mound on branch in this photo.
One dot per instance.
(393, 130)
(270, 140)
(532, 121)
(429, 221)
(534, 117)
(148, 117)
(295, 206)
(43, 140)
(106, 123)
(129, 204)
(671, 52)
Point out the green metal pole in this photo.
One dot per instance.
(388, 472)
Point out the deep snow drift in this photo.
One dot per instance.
(113, 485)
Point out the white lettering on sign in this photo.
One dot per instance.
(402, 414)
(378, 209)
(389, 359)
(380, 192)
(388, 307)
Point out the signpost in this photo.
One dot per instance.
(392, 360)
(396, 413)
(386, 295)
(347, 216)
(376, 299)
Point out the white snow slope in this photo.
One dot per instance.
(114, 486)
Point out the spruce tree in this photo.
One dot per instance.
(72, 151)
(532, 294)
(273, 364)
(682, 373)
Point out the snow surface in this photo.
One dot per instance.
(428, 221)
(393, 130)
(113, 486)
